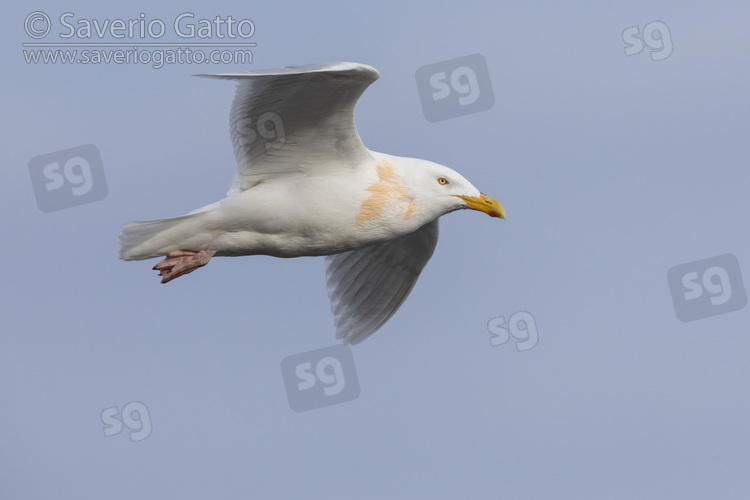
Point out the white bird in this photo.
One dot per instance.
(307, 186)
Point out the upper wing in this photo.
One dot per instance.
(368, 285)
(296, 118)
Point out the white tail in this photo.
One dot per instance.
(146, 240)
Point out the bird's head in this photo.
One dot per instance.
(440, 190)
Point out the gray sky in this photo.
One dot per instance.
(612, 169)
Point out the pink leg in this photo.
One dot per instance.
(181, 262)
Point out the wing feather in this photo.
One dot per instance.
(367, 286)
(296, 119)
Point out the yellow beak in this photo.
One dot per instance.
(485, 204)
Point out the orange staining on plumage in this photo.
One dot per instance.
(385, 191)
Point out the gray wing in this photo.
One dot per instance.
(367, 286)
(294, 119)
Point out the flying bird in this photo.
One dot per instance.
(307, 186)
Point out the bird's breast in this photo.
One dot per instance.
(307, 216)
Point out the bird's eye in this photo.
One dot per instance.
(443, 181)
